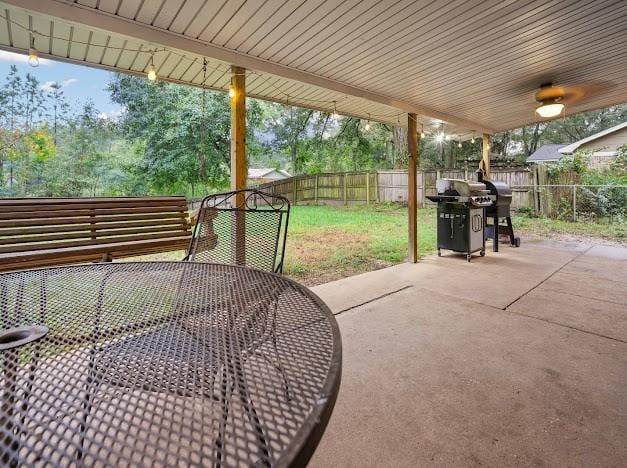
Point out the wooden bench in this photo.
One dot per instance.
(38, 232)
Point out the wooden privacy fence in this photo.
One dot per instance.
(389, 186)
(531, 189)
(340, 187)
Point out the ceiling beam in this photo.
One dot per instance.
(102, 21)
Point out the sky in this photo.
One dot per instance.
(79, 83)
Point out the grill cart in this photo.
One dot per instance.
(461, 215)
(499, 212)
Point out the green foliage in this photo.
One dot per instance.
(518, 144)
(569, 169)
(602, 194)
(184, 133)
(618, 167)
(173, 139)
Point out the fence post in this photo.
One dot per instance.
(534, 195)
(423, 188)
(367, 188)
(376, 187)
(344, 179)
(295, 187)
(574, 203)
(316, 189)
(537, 202)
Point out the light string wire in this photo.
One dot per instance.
(152, 52)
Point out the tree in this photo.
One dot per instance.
(59, 106)
(523, 142)
(12, 111)
(185, 145)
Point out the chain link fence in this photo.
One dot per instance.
(594, 203)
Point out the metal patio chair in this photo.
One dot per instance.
(244, 227)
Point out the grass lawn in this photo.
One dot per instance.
(581, 230)
(329, 242)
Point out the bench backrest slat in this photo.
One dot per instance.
(70, 224)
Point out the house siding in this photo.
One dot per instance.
(609, 142)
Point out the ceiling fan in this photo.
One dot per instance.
(554, 99)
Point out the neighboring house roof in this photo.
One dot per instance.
(573, 146)
(546, 153)
(260, 173)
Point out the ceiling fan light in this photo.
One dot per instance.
(550, 109)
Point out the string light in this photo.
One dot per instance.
(472, 140)
(33, 53)
(152, 73)
(335, 115)
(368, 123)
(422, 131)
(459, 141)
(231, 92)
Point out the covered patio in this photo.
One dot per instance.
(457, 71)
(517, 359)
(529, 371)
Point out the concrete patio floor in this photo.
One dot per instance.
(517, 358)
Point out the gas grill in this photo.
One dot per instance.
(461, 215)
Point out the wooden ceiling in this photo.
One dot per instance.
(472, 64)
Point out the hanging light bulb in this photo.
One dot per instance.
(231, 92)
(335, 115)
(368, 125)
(33, 53)
(459, 142)
(152, 73)
(472, 140)
(422, 131)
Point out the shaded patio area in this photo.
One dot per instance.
(518, 358)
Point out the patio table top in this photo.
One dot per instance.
(163, 363)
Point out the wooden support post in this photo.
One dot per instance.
(534, 181)
(367, 188)
(238, 159)
(485, 156)
(412, 205)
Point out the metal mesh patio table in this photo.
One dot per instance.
(163, 363)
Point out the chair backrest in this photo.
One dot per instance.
(244, 227)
